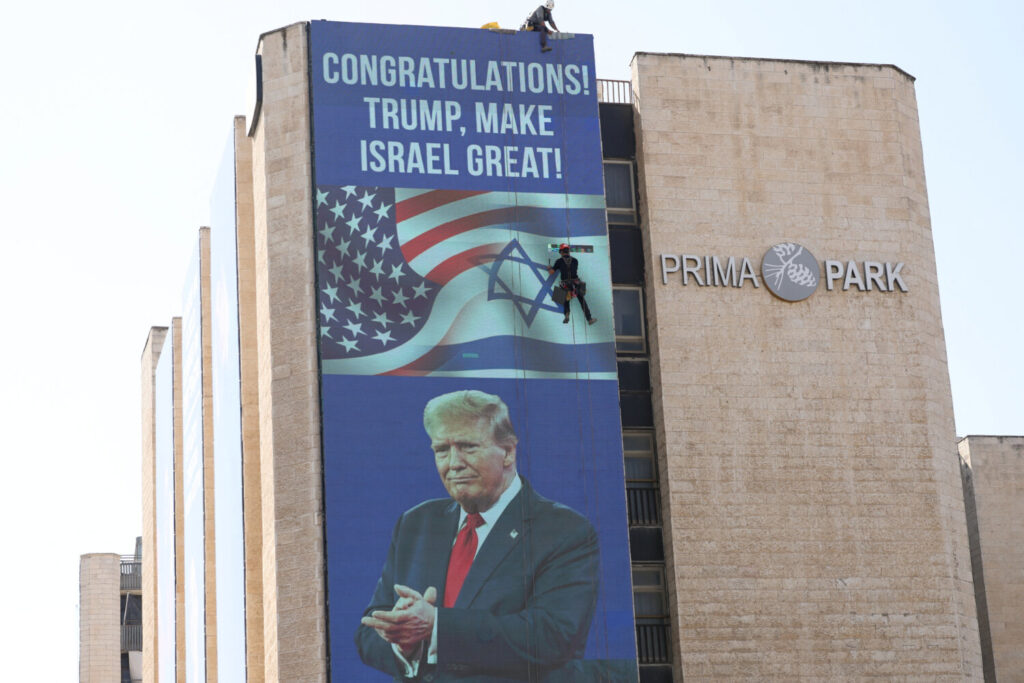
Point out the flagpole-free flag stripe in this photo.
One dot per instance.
(420, 244)
(493, 352)
(463, 261)
(496, 234)
(566, 215)
(414, 206)
(418, 234)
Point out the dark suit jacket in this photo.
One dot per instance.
(525, 608)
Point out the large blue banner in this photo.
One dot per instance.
(476, 521)
(454, 109)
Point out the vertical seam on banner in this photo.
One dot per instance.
(595, 503)
(518, 347)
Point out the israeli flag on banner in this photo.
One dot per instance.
(456, 283)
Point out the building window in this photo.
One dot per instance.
(635, 392)
(638, 448)
(642, 495)
(629, 319)
(131, 609)
(649, 593)
(651, 616)
(620, 197)
(627, 255)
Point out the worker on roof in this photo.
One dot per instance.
(538, 20)
(568, 268)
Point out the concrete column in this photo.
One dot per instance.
(179, 507)
(99, 624)
(995, 481)
(209, 490)
(252, 499)
(294, 603)
(150, 356)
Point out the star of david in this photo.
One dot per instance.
(498, 289)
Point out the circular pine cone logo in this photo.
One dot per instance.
(790, 271)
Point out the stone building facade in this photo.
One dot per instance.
(99, 643)
(816, 519)
(110, 620)
(809, 519)
(993, 469)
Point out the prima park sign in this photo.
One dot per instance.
(788, 269)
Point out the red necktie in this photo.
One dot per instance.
(461, 558)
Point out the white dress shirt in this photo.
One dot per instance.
(490, 517)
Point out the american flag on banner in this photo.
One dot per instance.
(455, 283)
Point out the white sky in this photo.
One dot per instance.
(113, 118)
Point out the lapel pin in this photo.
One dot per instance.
(514, 533)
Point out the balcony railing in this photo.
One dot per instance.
(131, 637)
(614, 92)
(644, 506)
(131, 574)
(652, 645)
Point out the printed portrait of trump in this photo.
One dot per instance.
(493, 582)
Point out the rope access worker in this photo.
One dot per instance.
(568, 268)
(536, 22)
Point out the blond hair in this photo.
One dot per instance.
(472, 404)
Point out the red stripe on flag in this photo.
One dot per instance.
(448, 269)
(421, 243)
(414, 206)
(414, 368)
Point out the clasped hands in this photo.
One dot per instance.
(410, 622)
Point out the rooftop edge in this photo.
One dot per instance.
(811, 62)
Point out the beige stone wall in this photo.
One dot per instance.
(99, 626)
(814, 520)
(179, 505)
(997, 472)
(209, 492)
(150, 356)
(294, 602)
(249, 390)
(971, 510)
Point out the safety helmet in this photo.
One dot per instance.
(550, 4)
(562, 247)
